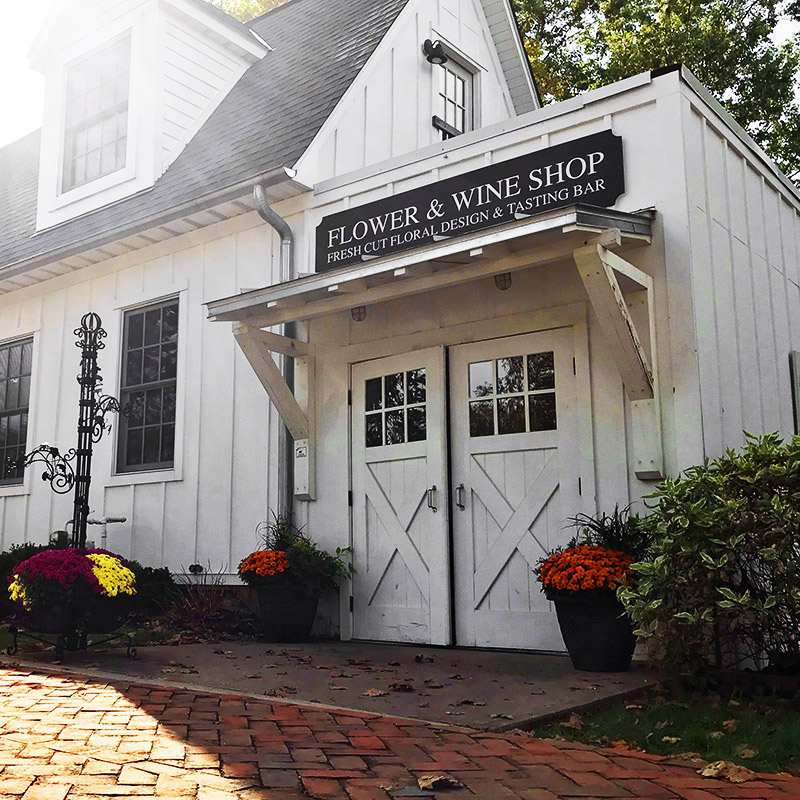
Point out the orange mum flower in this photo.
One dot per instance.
(586, 567)
(265, 562)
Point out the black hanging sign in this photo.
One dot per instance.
(586, 170)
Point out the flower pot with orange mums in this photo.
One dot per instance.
(582, 582)
(289, 574)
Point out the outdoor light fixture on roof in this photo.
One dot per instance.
(434, 52)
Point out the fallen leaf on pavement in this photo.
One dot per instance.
(374, 693)
(438, 782)
(469, 702)
(574, 721)
(338, 688)
(729, 726)
(401, 686)
(421, 658)
(433, 684)
(281, 691)
(456, 677)
(501, 716)
(727, 770)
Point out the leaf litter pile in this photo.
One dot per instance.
(738, 734)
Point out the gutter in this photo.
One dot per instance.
(109, 235)
(285, 442)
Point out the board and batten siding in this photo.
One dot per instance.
(387, 111)
(744, 229)
(196, 76)
(225, 481)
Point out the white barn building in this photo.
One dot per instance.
(353, 221)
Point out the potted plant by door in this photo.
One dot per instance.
(66, 591)
(582, 580)
(289, 573)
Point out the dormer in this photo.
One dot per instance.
(127, 85)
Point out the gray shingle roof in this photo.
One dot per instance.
(267, 121)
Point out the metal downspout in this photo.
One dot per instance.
(285, 445)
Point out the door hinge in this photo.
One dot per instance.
(349, 397)
(574, 367)
(351, 603)
(580, 487)
(350, 498)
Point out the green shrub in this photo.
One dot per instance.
(723, 586)
(155, 587)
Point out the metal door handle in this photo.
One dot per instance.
(460, 496)
(430, 493)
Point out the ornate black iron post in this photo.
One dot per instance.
(61, 473)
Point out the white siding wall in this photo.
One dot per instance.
(208, 510)
(744, 265)
(387, 111)
(196, 76)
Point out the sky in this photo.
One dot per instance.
(22, 89)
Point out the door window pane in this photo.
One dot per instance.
(373, 393)
(481, 382)
(374, 430)
(416, 386)
(510, 378)
(511, 415)
(542, 411)
(481, 418)
(541, 371)
(393, 390)
(417, 424)
(395, 430)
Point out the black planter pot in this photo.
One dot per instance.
(597, 632)
(104, 615)
(286, 613)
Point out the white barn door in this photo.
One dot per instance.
(400, 512)
(515, 481)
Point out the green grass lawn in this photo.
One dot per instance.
(762, 734)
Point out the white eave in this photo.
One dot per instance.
(511, 52)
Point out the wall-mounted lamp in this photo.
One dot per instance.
(503, 281)
(434, 52)
(359, 313)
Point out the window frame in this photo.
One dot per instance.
(68, 187)
(159, 469)
(20, 480)
(468, 76)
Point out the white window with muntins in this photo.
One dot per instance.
(16, 363)
(455, 100)
(96, 121)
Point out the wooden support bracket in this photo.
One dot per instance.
(257, 352)
(598, 267)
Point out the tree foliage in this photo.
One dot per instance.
(576, 45)
(245, 10)
(723, 586)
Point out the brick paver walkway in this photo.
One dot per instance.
(68, 737)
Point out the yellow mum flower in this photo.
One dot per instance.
(112, 576)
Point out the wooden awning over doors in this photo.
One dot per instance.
(593, 238)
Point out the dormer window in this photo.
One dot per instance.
(96, 130)
(455, 100)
